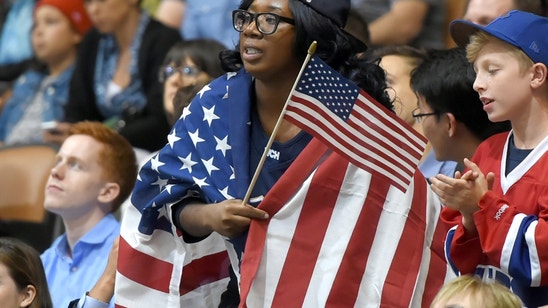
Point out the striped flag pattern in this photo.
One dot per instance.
(341, 236)
(150, 274)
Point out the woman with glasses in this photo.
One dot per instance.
(188, 66)
(115, 80)
(216, 145)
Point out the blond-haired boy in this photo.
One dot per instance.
(503, 197)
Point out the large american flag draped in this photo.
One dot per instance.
(356, 126)
(156, 267)
(353, 223)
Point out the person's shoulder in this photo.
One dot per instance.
(497, 138)
(50, 253)
(158, 30)
(29, 76)
(494, 142)
(222, 84)
(92, 35)
(219, 89)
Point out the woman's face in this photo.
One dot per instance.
(272, 55)
(10, 296)
(187, 74)
(109, 15)
(398, 74)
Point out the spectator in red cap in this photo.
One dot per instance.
(40, 94)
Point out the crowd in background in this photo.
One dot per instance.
(109, 85)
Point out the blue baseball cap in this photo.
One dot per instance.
(527, 31)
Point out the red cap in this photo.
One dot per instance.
(73, 9)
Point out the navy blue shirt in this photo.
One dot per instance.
(279, 158)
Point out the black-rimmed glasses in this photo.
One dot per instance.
(418, 116)
(267, 23)
(168, 70)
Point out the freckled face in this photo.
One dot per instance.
(76, 180)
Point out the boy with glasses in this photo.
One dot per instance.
(449, 110)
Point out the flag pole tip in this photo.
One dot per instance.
(312, 48)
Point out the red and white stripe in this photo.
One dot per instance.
(371, 138)
(345, 238)
(161, 270)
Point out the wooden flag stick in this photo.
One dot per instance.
(311, 51)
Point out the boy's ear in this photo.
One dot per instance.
(451, 124)
(539, 75)
(109, 192)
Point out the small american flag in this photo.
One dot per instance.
(339, 113)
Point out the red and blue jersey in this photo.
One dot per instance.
(512, 231)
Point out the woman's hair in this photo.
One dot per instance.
(205, 53)
(414, 56)
(183, 97)
(370, 77)
(482, 294)
(25, 268)
(337, 48)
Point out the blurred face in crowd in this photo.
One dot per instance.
(10, 295)
(398, 76)
(76, 184)
(53, 37)
(436, 128)
(484, 11)
(187, 74)
(109, 15)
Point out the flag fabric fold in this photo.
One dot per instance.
(344, 237)
(156, 267)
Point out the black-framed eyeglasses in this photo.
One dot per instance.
(267, 23)
(418, 116)
(168, 70)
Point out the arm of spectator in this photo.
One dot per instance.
(229, 218)
(401, 24)
(103, 290)
(171, 13)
